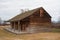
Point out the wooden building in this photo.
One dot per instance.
(31, 20)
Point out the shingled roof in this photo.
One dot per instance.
(25, 14)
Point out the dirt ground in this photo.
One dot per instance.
(5, 35)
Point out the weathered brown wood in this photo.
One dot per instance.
(11, 25)
(14, 26)
(41, 12)
(39, 18)
(19, 26)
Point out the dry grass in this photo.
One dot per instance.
(4, 35)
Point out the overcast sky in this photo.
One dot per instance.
(10, 8)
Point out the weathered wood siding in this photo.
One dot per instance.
(38, 20)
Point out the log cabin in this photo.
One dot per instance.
(31, 21)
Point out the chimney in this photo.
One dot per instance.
(41, 12)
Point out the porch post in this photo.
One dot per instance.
(11, 24)
(19, 27)
(14, 25)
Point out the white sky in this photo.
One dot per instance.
(10, 8)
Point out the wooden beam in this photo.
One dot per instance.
(14, 26)
(19, 27)
(11, 24)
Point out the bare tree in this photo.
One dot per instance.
(0, 21)
(59, 19)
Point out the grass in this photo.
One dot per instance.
(54, 35)
(55, 30)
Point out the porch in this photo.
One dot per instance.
(18, 27)
(15, 31)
